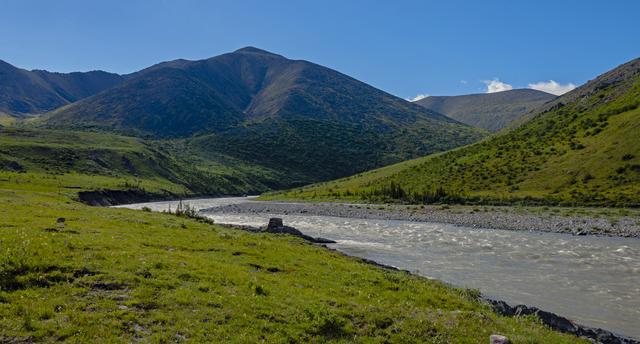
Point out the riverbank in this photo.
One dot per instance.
(577, 221)
(72, 272)
(552, 320)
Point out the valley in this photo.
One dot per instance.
(516, 194)
(71, 272)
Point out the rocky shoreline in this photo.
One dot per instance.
(475, 217)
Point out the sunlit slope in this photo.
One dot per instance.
(583, 148)
(170, 166)
(107, 275)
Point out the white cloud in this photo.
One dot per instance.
(417, 97)
(552, 87)
(464, 82)
(496, 85)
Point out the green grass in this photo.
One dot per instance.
(118, 275)
(585, 152)
(170, 165)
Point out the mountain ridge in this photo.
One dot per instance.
(582, 148)
(491, 111)
(37, 91)
(250, 82)
(293, 115)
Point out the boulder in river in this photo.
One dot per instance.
(276, 225)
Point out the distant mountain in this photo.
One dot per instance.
(293, 115)
(38, 91)
(491, 111)
(581, 148)
(182, 98)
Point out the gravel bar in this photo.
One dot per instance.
(477, 217)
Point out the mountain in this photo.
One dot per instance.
(581, 148)
(292, 115)
(38, 91)
(182, 98)
(491, 111)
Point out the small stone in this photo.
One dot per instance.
(498, 339)
(123, 308)
(60, 220)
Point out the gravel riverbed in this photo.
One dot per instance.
(509, 218)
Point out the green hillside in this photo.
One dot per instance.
(582, 148)
(311, 150)
(158, 166)
(310, 121)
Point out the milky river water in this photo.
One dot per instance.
(593, 280)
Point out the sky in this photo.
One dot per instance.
(407, 48)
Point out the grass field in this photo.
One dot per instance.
(118, 275)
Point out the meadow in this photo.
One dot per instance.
(75, 273)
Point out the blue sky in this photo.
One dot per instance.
(403, 47)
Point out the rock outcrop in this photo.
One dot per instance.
(276, 225)
(561, 324)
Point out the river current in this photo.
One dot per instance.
(593, 280)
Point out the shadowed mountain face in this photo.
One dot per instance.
(182, 98)
(581, 148)
(491, 111)
(296, 116)
(38, 91)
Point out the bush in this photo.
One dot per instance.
(186, 210)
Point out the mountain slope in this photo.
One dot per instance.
(582, 148)
(38, 91)
(289, 115)
(248, 84)
(166, 166)
(491, 111)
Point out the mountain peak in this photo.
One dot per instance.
(254, 50)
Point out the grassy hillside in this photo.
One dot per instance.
(583, 148)
(310, 121)
(169, 166)
(310, 150)
(117, 275)
(491, 111)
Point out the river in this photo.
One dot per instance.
(593, 280)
